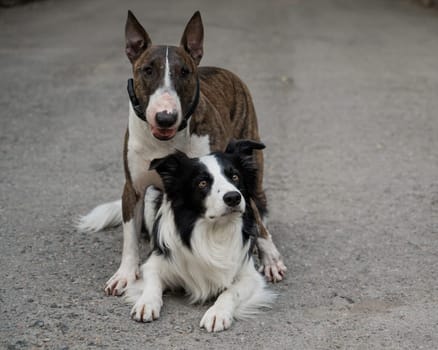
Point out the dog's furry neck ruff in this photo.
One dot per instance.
(139, 110)
(213, 258)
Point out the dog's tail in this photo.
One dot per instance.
(261, 297)
(103, 216)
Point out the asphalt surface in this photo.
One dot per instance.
(346, 94)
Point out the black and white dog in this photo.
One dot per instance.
(202, 231)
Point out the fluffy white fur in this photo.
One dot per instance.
(103, 216)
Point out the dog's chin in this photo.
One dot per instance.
(163, 134)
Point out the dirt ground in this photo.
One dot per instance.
(346, 94)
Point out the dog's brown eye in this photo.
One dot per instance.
(147, 70)
(202, 184)
(235, 178)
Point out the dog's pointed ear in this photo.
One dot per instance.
(243, 147)
(193, 38)
(168, 165)
(137, 40)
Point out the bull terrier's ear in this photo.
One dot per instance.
(244, 147)
(193, 38)
(137, 40)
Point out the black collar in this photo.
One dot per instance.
(139, 110)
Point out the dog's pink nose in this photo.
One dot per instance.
(165, 119)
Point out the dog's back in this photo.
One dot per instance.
(231, 99)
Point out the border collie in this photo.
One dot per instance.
(202, 233)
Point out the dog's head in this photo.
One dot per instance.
(215, 186)
(165, 77)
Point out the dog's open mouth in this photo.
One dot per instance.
(163, 133)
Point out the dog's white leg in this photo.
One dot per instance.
(128, 270)
(271, 263)
(240, 300)
(147, 307)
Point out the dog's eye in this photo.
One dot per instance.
(147, 70)
(235, 178)
(184, 72)
(202, 184)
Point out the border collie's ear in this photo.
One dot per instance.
(137, 40)
(169, 164)
(243, 147)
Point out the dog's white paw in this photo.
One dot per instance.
(118, 283)
(146, 310)
(216, 320)
(271, 263)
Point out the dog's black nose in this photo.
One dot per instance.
(232, 198)
(165, 119)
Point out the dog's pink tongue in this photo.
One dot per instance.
(163, 134)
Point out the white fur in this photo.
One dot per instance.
(128, 270)
(167, 81)
(143, 147)
(217, 264)
(199, 145)
(103, 216)
(150, 197)
(146, 294)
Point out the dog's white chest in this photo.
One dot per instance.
(143, 148)
(215, 258)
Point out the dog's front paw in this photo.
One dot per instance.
(271, 263)
(216, 320)
(118, 283)
(273, 269)
(146, 310)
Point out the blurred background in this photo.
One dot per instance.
(346, 96)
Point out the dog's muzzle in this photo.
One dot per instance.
(140, 111)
